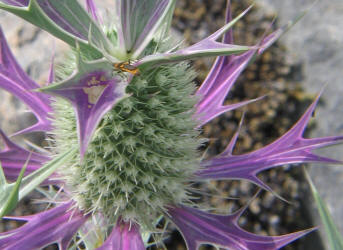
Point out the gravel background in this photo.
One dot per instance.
(279, 77)
(316, 42)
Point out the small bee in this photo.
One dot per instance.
(126, 67)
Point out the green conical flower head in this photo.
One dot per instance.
(144, 151)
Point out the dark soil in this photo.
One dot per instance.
(274, 76)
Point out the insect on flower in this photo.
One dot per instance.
(126, 67)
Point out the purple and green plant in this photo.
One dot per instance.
(124, 118)
(334, 237)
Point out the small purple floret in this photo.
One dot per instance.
(124, 236)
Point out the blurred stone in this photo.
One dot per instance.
(33, 49)
(275, 75)
(317, 42)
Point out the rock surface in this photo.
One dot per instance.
(33, 49)
(317, 43)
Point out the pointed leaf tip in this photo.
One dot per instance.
(227, 69)
(64, 19)
(206, 47)
(124, 236)
(198, 227)
(291, 148)
(13, 157)
(334, 236)
(92, 90)
(229, 24)
(12, 192)
(34, 179)
(140, 20)
(56, 225)
(93, 10)
(14, 80)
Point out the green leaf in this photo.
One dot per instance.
(33, 180)
(82, 69)
(334, 236)
(189, 54)
(9, 193)
(204, 48)
(164, 19)
(166, 25)
(66, 20)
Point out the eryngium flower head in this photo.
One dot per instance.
(124, 118)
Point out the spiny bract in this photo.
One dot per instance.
(143, 152)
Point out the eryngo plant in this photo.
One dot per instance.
(124, 117)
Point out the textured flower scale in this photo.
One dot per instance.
(124, 118)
